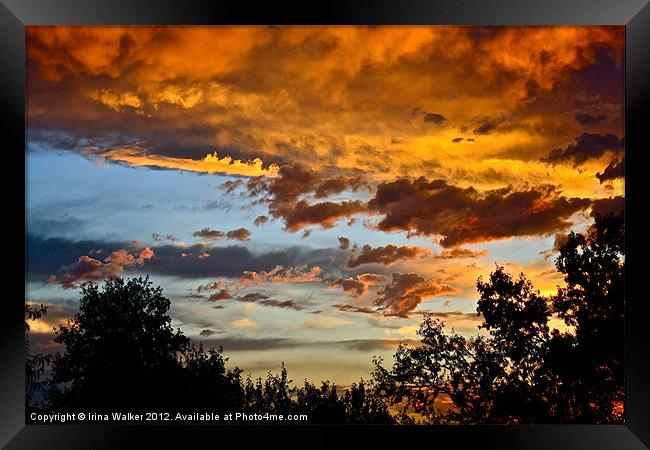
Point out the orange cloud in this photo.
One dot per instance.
(324, 214)
(240, 234)
(357, 285)
(477, 105)
(436, 208)
(223, 294)
(117, 100)
(280, 274)
(155, 53)
(209, 164)
(406, 291)
(386, 255)
(455, 253)
(90, 269)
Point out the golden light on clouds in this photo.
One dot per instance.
(209, 164)
(386, 100)
(434, 153)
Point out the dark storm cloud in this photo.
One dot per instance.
(240, 234)
(486, 125)
(325, 214)
(385, 255)
(46, 256)
(603, 77)
(434, 118)
(464, 215)
(297, 179)
(588, 120)
(209, 332)
(152, 135)
(428, 117)
(293, 181)
(533, 88)
(609, 205)
(336, 185)
(207, 233)
(406, 291)
(39, 224)
(486, 128)
(615, 169)
(284, 196)
(586, 146)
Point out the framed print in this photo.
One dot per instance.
(408, 221)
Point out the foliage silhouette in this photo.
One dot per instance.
(589, 375)
(521, 372)
(35, 364)
(121, 353)
(120, 350)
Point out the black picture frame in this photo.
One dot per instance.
(634, 14)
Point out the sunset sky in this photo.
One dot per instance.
(304, 194)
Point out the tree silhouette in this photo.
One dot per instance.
(120, 352)
(521, 372)
(120, 349)
(323, 404)
(273, 394)
(35, 364)
(320, 404)
(362, 406)
(590, 362)
(205, 382)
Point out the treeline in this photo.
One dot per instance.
(523, 371)
(121, 353)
